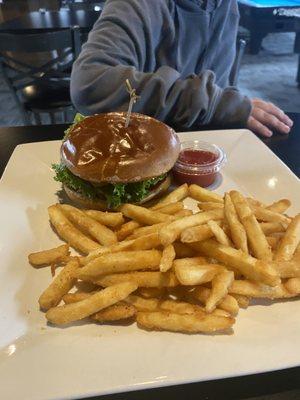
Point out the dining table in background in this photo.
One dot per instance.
(261, 17)
(277, 385)
(39, 21)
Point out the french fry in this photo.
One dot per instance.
(181, 307)
(88, 225)
(143, 279)
(228, 304)
(183, 213)
(111, 219)
(167, 258)
(192, 323)
(288, 269)
(273, 241)
(146, 230)
(219, 234)
(219, 289)
(116, 312)
(255, 203)
(149, 293)
(257, 240)
(67, 231)
(210, 205)
(259, 290)
(197, 233)
(142, 304)
(265, 215)
(293, 286)
(169, 209)
(279, 206)
(48, 257)
(120, 262)
(146, 242)
(63, 282)
(269, 228)
(188, 261)
(289, 242)
(220, 313)
(203, 195)
(196, 274)
(145, 216)
(169, 233)
(127, 229)
(77, 296)
(176, 195)
(250, 267)
(104, 298)
(243, 301)
(237, 231)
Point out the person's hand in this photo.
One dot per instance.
(266, 117)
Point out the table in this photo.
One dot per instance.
(261, 17)
(38, 21)
(285, 383)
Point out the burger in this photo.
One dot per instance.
(104, 163)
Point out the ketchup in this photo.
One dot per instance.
(196, 166)
(197, 157)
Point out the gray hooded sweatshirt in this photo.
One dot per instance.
(177, 54)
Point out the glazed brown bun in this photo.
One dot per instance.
(100, 148)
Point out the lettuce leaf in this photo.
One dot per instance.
(115, 194)
(63, 175)
(78, 117)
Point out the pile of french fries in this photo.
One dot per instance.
(168, 268)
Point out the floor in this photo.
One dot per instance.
(274, 69)
(271, 75)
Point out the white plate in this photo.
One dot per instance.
(38, 361)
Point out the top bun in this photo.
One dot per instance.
(101, 149)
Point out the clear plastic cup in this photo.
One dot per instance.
(199, 162)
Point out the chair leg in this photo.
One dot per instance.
(52, 117)
(25, 117)
(65, 116)
(37, 118)
(298, 72)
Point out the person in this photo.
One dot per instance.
(178, 55)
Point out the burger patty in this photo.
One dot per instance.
(113, 194)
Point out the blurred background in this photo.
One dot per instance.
(34, 72)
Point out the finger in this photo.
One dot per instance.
(274, 110)
(258, 127)
(270, 120)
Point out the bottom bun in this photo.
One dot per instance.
(101, 205)
(82, 201)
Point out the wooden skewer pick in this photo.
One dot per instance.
(133, 99)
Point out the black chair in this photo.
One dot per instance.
(44, 88)
(240, 50)
(87, 5)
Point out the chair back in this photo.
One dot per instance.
(88, 5)
(19, 73)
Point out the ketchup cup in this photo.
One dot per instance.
(198, 162)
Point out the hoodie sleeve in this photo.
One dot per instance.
(119, 47)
